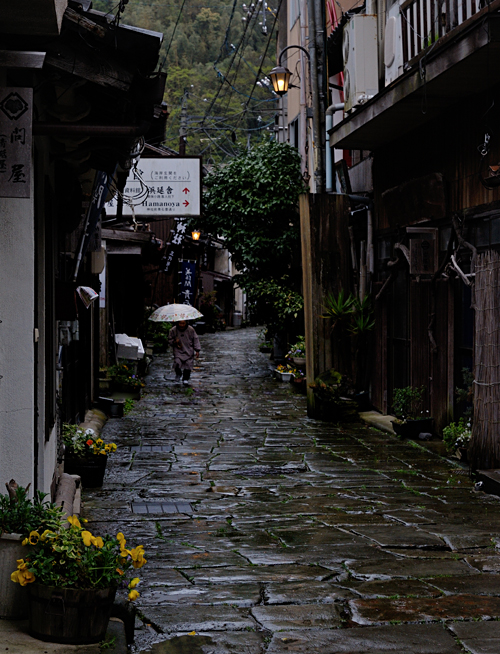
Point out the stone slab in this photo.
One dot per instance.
(422, 609)
(404, 568)
(478, 637)
(233, 575)
(308, 592)
(215, 643)
(174, 619)
(239, 595)
(410, 639)
(298, 616)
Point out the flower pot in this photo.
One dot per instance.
(90, 470)
(13, 597)
(300, 362)
(412, 428)
(68, 615)
(284, 376)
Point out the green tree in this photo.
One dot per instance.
(251, 203)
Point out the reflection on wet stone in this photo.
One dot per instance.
(267, 531)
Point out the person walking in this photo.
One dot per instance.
(186, 346)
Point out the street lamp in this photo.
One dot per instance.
(280, 76)
(195, 234)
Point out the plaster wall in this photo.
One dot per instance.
(17, 271)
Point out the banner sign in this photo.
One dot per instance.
(16, 108)
(166, 186)
(176, 237)
(187, 284)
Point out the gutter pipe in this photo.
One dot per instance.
(318, 158)
(333, 108)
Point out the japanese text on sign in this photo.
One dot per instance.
(171, 185)
(16, 106)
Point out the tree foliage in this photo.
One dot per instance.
(252, 203)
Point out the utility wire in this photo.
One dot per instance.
(173, 34)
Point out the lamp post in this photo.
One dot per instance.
(280, 78)
(195, 234)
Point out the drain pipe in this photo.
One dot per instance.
(333, 108)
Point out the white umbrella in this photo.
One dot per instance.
(175, 312)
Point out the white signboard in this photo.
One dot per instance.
(162, 187)
(16, 106)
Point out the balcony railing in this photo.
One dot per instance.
(425, 21)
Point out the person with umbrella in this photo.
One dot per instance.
(182, 337)
(186, 346)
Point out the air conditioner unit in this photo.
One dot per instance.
(360, 60)
(393, 45)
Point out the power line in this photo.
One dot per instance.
(173, 34)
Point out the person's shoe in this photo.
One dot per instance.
(185, 382)
(178, 378)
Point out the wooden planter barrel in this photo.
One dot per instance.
(90, 470)
(67, 615)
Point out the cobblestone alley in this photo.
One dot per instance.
(266, 531)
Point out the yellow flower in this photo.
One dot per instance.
(137, 555)
(34, 537)
(74, 522)
(25, 541)
(45, 535)
(87, 538)
(102, 452)
(114, 447)
(22, 575)
(133, 595)
(120, 572)
(98, 542)
(107, 448)
(135, 581)
(120, 537)
(99, 441)
(192, 633)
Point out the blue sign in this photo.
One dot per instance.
(188, 282)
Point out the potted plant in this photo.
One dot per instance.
(125, 379)
(332, 404)
(457, 437)
(72, 578)
(284, 372)
(299, 381)
(19, 515)
(297, 352)
(411, 420)
(85, 455)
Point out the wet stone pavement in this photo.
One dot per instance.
(266, 531)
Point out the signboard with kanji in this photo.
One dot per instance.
(170, 186)
(187, 284)
(16, 108)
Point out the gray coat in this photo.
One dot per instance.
(185, 344)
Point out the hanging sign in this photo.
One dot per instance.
(187, 284)
(159, 187)
(16, 108)
(171, 250)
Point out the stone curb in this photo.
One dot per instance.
(378, 420)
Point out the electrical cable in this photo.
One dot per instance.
(173, 34)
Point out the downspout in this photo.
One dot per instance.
(318, 159)
(304, 151)
(333, 108)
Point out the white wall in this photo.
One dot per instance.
(17, 274)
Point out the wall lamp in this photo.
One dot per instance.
(195, 234)
(280, 76)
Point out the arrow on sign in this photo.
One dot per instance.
(185, 203)
(185, 190)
